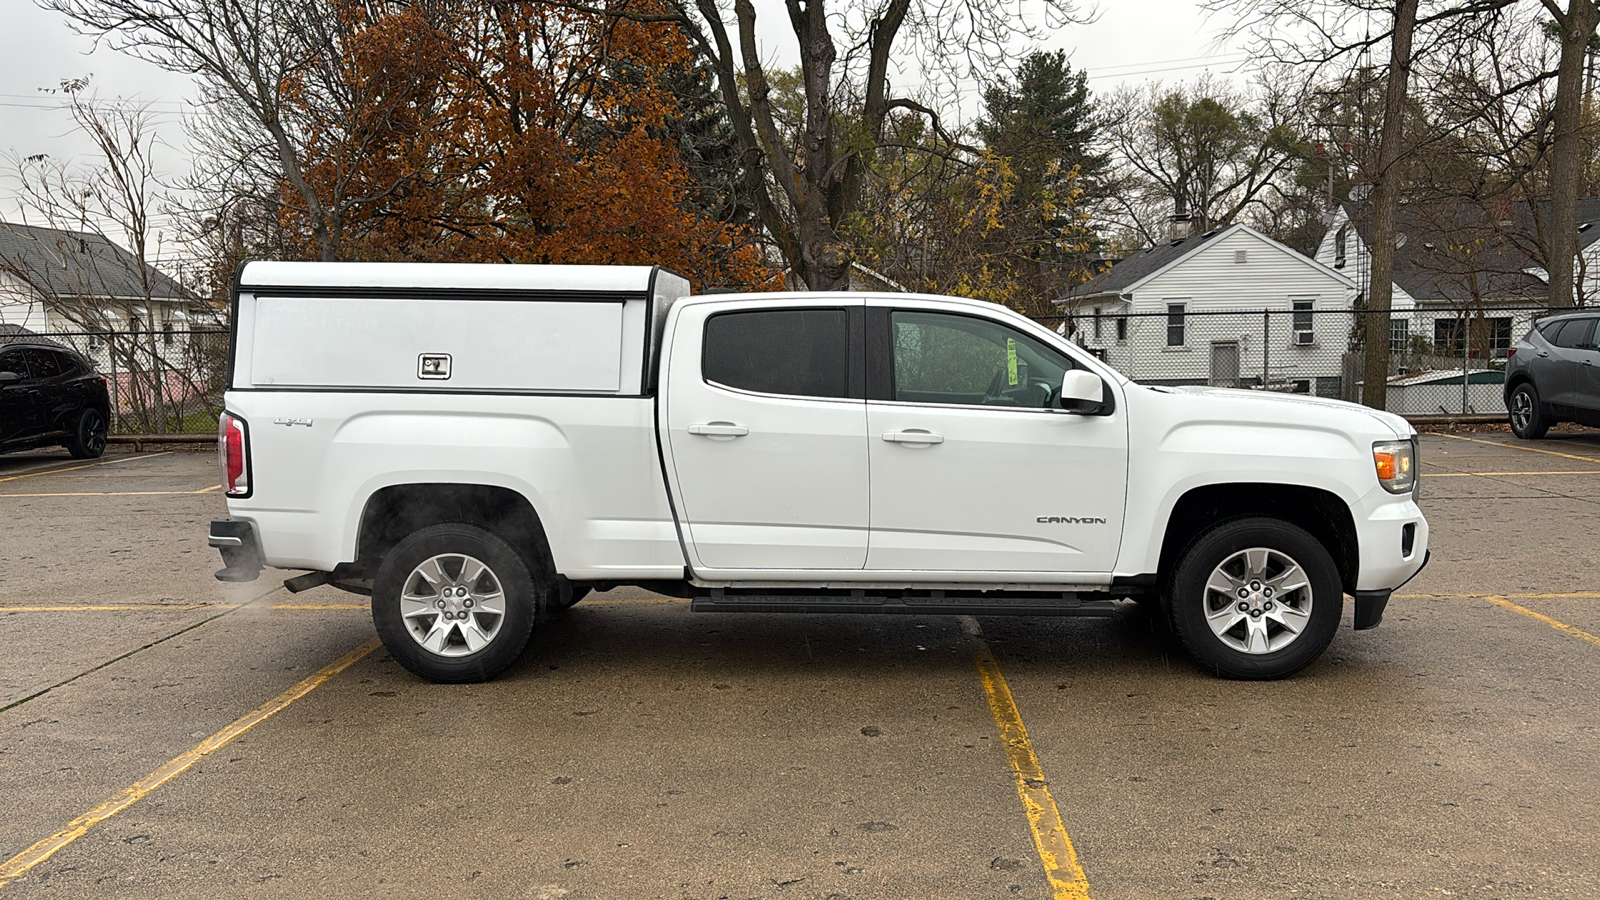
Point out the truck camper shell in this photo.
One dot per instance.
(406, 327)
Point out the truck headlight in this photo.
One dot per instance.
(1396, 462)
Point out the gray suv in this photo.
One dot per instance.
(1553, 375)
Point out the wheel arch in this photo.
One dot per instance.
(1320, 512)
(1519, 378)
(393, 512)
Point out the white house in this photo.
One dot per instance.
(53, 280)
(1229, 307)
(1467, 281)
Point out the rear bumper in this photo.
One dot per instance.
(241, 552)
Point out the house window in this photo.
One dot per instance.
(1449, 336)
(1339, 241)
(1499, 336)
(1097, 323)
(1399, 335)
(1122, 328)
(168, 337)
(1303, 323)
(1175, 324)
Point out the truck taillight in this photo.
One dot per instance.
(232, 448)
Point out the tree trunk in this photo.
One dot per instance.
(1577, 26)
(1385, 203)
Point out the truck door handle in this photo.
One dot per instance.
(719, 429)
(913, 437)
(1543, 355)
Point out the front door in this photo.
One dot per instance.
(974, 466)
(765, 425)
(18, 413)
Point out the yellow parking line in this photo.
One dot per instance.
(118, 493)
(1487, 474)
(1061, 868)
(147, 607)
(1577, 595)
(1578, 633)
(108, 462)
(1458, 437)
(21, 863)
(110, 607)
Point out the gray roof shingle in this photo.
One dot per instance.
(75, 265)
(1137, 267)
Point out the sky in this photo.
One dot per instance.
(1166, 40)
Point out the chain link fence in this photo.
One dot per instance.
(1442, 361)
(161, 382)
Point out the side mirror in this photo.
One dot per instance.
(1084, 394)
(7, 379)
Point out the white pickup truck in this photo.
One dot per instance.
(477, 447)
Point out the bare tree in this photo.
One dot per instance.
(1577, 25)
(1206, 150)
(90, 261)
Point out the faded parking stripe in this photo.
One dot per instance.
(108, 462)
(1578, 633)
(21, 863)
(1061, 868)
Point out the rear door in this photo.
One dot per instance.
(1556, 377)
(765, 430)
(53, 403)
(975, 468)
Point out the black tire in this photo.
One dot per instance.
(1284, 640)
(88, 438)
(1528, 420)
(449, 658)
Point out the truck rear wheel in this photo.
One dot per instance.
(455, 603)
(1255, 598)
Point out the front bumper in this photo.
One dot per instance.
(241, 552)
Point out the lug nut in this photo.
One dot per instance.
(440, 604)
(1255, 613)
(1255, 585)
(467, 603)
(1267, 605)
(1267, 591)
(1243, 593)
(1244, 607)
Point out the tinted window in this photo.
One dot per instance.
(43, 363)
(12, 362)
(801, 352)
(1574, 334)
(942, 358)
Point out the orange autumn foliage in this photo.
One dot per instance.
(509, 132)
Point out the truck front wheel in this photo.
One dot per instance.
(1255, 598)
(454, 603)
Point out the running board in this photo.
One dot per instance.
(930, 603)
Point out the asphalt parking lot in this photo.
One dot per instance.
(163, 735)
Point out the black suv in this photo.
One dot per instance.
(50, 395)
(1553, 375)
